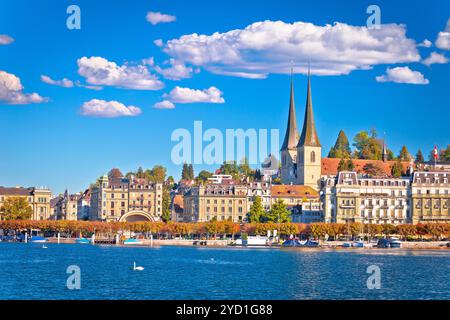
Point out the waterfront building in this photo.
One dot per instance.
(353, 198)
(38, 198)
(262, 189)
(303, 202)
(84, 205)
(177, 208)
(53, 206)
(430, 196)
(119, 198)
(225, 201)
(67, 207)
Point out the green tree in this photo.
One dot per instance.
(397, 169)
(419, 157)
(446, 154)
(15, 208)
(166, 202)
(187, 172)
(203, 176)
(158, 174)
(373, 170)
(278, 213)
(341, 148)
(140, 173)
(244, 168)
(230, 168)
(342, 166)
(191, 172)
(404, 154)
(346, 165)
(368, 146)
(256, 211)
(350, 165)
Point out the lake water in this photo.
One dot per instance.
(28, 271)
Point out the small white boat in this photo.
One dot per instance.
(395, 243)
(133, 242)
(358, 244)
(37, 239)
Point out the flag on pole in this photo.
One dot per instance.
(435, 153)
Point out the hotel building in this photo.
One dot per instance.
(352, 198)
(430, 199)
(225, 201)
(67, 207)
(38, 198)
(119, 198)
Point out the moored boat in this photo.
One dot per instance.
(133, 242)
(395, 243)
(297, 243)
(82, 241)
(37, 239)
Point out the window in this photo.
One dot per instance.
(313, 156)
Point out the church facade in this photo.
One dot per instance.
(301, 154)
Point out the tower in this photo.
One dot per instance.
(384, 154)
(289, 147)
(309, 149)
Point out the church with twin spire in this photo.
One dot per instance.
(301, 154)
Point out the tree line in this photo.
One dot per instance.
(367, 145)
(214, 228)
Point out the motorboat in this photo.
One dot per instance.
(37, 239)
(347, 245)
(298, 243)
(358, 244)
(395, 243)
(132, 242)
(82, 241)
(389, 243)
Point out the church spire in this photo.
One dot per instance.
(291, 137)
(309, 134)
(384, 154)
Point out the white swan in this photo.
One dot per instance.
(44, 246)
(137, 268)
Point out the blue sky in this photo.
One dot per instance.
(49, 140)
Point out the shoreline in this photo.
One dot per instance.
(336, 245)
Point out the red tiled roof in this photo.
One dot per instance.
(286, 190)
(330, 165)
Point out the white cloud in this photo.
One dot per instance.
(443, 39)
(157, 17)
(271, 46)
(108, 109)
(99, 71)
(177, 71)
(425, 43)
(187, 95)
(403, 75)
(66, 83)
(435, 58)
(11, 91)
(5, 39)
(166, 104)
(149, 61)
(158, 42)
